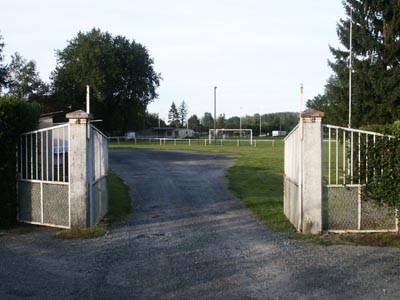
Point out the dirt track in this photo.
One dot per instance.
(189, 238)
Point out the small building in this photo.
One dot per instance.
(167, 132)
(183, 133)
(278, 133)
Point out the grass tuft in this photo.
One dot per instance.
(82, 233)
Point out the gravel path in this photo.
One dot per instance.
(189, 238)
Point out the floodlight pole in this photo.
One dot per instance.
(350, 60)
(215, 115)
(260, 123)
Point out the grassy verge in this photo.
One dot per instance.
(387, 239)
(256, 175)
(119, 208)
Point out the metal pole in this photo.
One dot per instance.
(215, 114)
(260, 124)
(350, 61)
(88, 99)
(240, 126)
(301, 98)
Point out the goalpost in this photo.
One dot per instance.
(211, 133)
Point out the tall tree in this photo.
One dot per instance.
(173, 116)
(375, 64)
(120, 73)
(183, 112)
(221, 121)
(194, 123)
(153, 120)
(23, 78)
(3, 68)
(207, 121)
(232, 123)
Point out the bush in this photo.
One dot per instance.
(16, 116)
(383, 168)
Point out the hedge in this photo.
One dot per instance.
(16, 116)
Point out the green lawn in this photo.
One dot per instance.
(256, 175)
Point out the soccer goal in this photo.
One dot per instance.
(230, 133)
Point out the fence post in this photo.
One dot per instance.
(312, 171)
(79, 173)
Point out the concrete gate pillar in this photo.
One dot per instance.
(312, 171)
(79, 122)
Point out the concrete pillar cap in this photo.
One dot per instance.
(312, 113)
(79, 114)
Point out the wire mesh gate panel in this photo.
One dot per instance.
(345, 159)
(43, 188)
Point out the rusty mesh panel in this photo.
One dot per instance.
(29, 201)
(342, 206)
(374, 217)
(55, 204)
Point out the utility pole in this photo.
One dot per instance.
(215, 115)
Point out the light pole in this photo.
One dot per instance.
(215, 115)
(260, 124)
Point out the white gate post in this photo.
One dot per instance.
(79, 122)
(312, 171)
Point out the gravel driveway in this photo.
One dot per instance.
(189, 238)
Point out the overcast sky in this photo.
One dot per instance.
(257, 52)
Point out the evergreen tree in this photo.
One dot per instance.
(3, 68)
(375, 64)
(173, 116)
(183, 112)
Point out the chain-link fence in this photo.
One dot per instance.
(347, 211)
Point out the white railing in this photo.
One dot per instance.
(346, 154)
(43, 154)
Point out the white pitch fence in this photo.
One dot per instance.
(46, 193)
(346, 161)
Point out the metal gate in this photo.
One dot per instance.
(345, 156)
(43, 173)
(50, 171)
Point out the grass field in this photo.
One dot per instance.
(256, 176)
